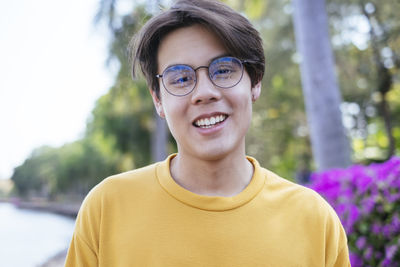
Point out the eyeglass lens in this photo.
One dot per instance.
(224, 72)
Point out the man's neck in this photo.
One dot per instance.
(224, 177)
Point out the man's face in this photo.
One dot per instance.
(195, 46)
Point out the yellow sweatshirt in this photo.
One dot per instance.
(144, 218)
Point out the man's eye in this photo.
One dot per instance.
(181, 81)
(222, 71)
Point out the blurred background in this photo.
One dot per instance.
(71, 115)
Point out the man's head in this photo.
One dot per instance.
(236, 33)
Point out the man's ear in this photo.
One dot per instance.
(157, 104)
(255, 92)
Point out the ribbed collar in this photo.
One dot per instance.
(211, 203)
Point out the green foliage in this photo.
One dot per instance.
(35, 174)
(366, 39)
(279, 137)
(75, 167)
(125, 116)
(117, 136)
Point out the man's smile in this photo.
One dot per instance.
(208, 122)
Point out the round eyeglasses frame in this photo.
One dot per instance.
(209, 74)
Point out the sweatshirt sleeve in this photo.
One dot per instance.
(80, 254)
(84, 246)
(337, 251)
(343, 258)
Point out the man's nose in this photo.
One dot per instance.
(205, 91)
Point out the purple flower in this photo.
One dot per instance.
(340, 210)
(361, 180)
(355, 260)
(367, 205)
(393, 197)
(396, 222)
(390, 251)
(353, 214)
(360, 243)
(367, 201)
(368, 253)
(386, 263)
(387, 231)
(376, 228)
(388, 195)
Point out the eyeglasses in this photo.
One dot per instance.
(224, 72)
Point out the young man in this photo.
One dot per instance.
(209, 204)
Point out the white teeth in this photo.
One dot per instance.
(208, 122)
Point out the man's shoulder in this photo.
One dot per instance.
(296, 196)
(140, 175)
(303, 208)
(128, 183)
(274, 182)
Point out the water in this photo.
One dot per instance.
(29, 238)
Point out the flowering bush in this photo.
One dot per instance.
(367, 200)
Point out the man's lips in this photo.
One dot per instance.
(209, 120)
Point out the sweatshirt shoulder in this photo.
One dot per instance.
(297, 195)
(140, 175)
(131, 182)
(312, 211)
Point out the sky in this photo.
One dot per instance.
(52, 71)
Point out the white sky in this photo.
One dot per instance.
(52, 70)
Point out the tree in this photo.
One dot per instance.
(366, 37)
(322, 96)
(120, 39)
